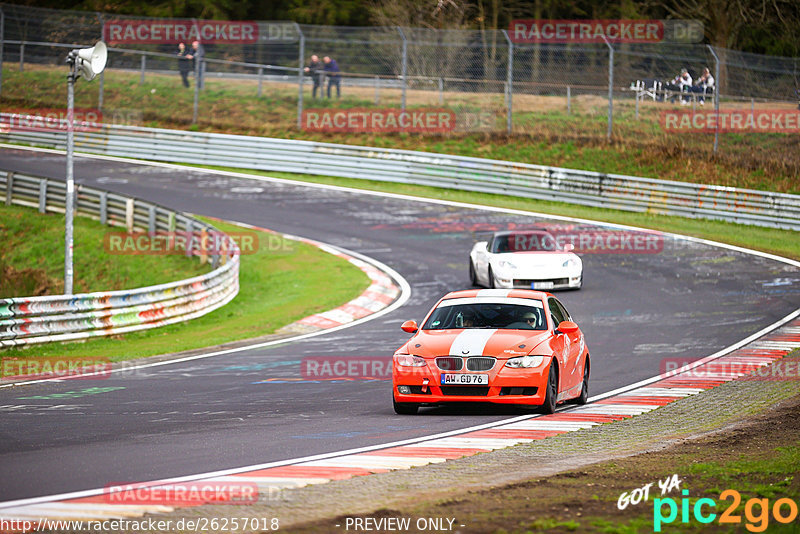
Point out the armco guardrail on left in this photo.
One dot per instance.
(29, 320)
(630, 193)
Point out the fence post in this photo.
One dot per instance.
(42, 195)
(569, 100)
(103, 207)
(300, 73)
(610, 87)
(143, 66)
(196, 102)
(260, 73)
(441, 92)
(9, 187)
(636, 96)
(716, 95)
(509, 83)
(100, 89)
(22, 56)
(404, 67)
(377, 89)
(2, 41)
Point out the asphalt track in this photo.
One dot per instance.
(637, 311)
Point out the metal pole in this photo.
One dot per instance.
(300, 80)
(260, 73)
(441, 92)
(196, 87)
(404, 67)
(569, 100)
(144, 62)
(377, 90)
(22, 56)
(70, 194)
(101, 89)
(610, 87)
(716, 95)
(510, 83)
(2, 39)
(636, 96)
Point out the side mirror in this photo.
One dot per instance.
(411, 327)
(569, 247)
(481, 245)
(567, 327)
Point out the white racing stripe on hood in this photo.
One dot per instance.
(471, 342)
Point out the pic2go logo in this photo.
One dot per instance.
(756, 511)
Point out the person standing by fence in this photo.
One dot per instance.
(332, 72)
(314, 69)
(184, 64)
(196, 54)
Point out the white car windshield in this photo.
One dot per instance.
(524, 242)
(487, 315)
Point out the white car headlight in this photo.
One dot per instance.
(506, 264)
(525, 361)
(571, 263)
(407, 360)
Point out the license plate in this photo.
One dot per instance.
(542, 285)
(464, 380)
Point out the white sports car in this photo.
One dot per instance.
(529, 259)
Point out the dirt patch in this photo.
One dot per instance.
(28, 282)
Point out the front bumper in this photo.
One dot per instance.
(539, 282)
(506, 385)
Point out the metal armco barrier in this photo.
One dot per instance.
(588, 188)
(29, 320)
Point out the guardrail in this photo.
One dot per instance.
(28, 320)
(629, 193)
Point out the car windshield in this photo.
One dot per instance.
(524, 242)
(487, 315)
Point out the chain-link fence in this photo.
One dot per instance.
(487, 81)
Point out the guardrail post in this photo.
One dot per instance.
(189, 237)
(129, 215)
(42, 196)
(260, 73)
(716, 95)
(377, 90)
(404, 67)
(22, 56)
(100, 89)
(9, 187)
(143, 66)
(300, 77)
(195, 105)
(441, 92)
(103, 207)
(171, 221)
(151, 219)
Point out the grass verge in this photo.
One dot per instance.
(277, 286)
(774, 241)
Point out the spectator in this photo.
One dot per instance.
(314, 69)
(184, 64)
(681, 83)
(705, 85)
(332, 72)
(196, 54)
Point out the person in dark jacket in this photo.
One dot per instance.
(332, 72)
(314, 69)
(184, 64)
(196, 54)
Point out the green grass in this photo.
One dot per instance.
(32, 257)
(277, 287)
(781, 242)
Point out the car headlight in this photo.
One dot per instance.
(505, 264)
(570, 263)
(407, 360)
(525, 361)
